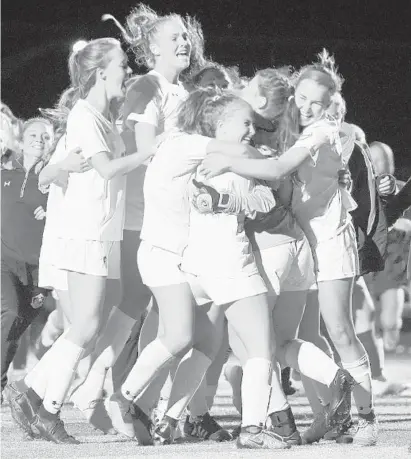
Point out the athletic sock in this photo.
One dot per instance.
(153, 358)
(362, 391)
(278, 401)
(188, 377)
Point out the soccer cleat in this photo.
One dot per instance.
(339, 409)
(52, 429)
(205, 428)
(23, 409)
(96, 414)
(165, 432)
(253, 437)
(143, 426)
(120, 411)
(316, 431)
(363, 433)
(283, 425)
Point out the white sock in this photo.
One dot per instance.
(255, 391)
(107, 349)
(153, 358)
(198, 403)
(149, 329)
(310, 361)
(188, 377)
(362, 391)
(151, 395)
(62, 375)
(211, 391)
(278, 401)
(38, 377)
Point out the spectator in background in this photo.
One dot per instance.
(23, 211)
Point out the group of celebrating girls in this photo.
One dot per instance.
(223, 205)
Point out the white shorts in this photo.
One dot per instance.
(97, 258)
(49, 275)
(337, 258)
(287, 267)
(221, 291)
(159, 267)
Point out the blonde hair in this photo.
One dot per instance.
(143, 23)
(84, 63)
(203, 108)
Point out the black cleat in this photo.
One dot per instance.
(205, 428)
(339, 409)
(52, 428)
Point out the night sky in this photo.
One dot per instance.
(371, 41)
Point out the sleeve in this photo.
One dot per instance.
(142, 101)
(190, 149)
(59, 152)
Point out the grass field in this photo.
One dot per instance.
(394, 413)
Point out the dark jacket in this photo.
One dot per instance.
(21, 233)
(398, 203)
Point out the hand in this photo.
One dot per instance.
(386, 184)
(75, 162)
(344, 178)
(205, 198)
(214, 164)
(39, 213)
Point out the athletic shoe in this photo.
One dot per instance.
(52, 429)
(283, 425)
(121, 414)
(340, 405)
(96, 414)
(205, 428)
(23, 409)
(316, 431)
(363, 433)
(340, 434)
(253, 437)
(164, 432)
(143, 426)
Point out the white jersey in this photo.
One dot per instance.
(218, 245)
(320, 205)
(166, 215)
(154, 100)
(93, 207)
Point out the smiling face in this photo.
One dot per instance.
(37, 139)
(312, 99)
(172, 45)
(116, 74)
(236, 124)
(213, 78)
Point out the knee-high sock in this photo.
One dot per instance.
(362, 392)
(61, 376)
(255, 391)
(150, 397)
(310, 361)
(38, 377)
(107, 349)
(188, 377)
(198, 403)
(150, 362)
(149, 329)
(278, 401)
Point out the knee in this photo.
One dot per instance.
(86, 331)
(178, 344)
(342, 335)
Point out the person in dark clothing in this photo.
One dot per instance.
(23, 208)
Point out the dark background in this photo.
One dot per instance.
(371, 41)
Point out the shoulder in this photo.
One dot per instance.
(144, 88)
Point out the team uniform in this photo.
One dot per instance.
(92, 212)
(219, 257)
(49, 275)
(322, 209)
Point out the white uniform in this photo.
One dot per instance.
(49, 275)
(219, 257)
(154, 100)
(322, 209)
(92, 212)
(166, 217)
